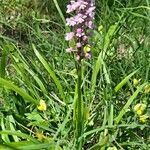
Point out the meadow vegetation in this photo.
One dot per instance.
(38, 79)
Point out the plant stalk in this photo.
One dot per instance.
(79, 107)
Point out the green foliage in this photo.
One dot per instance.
(34, 66)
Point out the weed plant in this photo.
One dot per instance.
(38, 78)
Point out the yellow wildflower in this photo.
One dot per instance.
(136, 82)
(143, 118)
(147, 89)
(100, 28)
(139, 108)
(42, 106)
(40, 136)
(87, 48)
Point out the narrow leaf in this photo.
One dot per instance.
(19, 134)
(124, 81)
(11, 86)
(127, 105)
(51, 72)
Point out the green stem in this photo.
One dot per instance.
(79, 107)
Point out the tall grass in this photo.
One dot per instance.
(34, 67)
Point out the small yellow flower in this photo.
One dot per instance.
(87, 48)
(143, 118)
(139, 108)
(136, 82)
(40, 136)
(100, 28)
(147, 89)
(42, 106)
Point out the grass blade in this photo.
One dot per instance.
(59, 10)
(11, 86)
(124, 109)
(51, 72)
(19, 134)
(96, 69)
(3, 64)
(124, 81)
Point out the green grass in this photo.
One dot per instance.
(34, 66)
